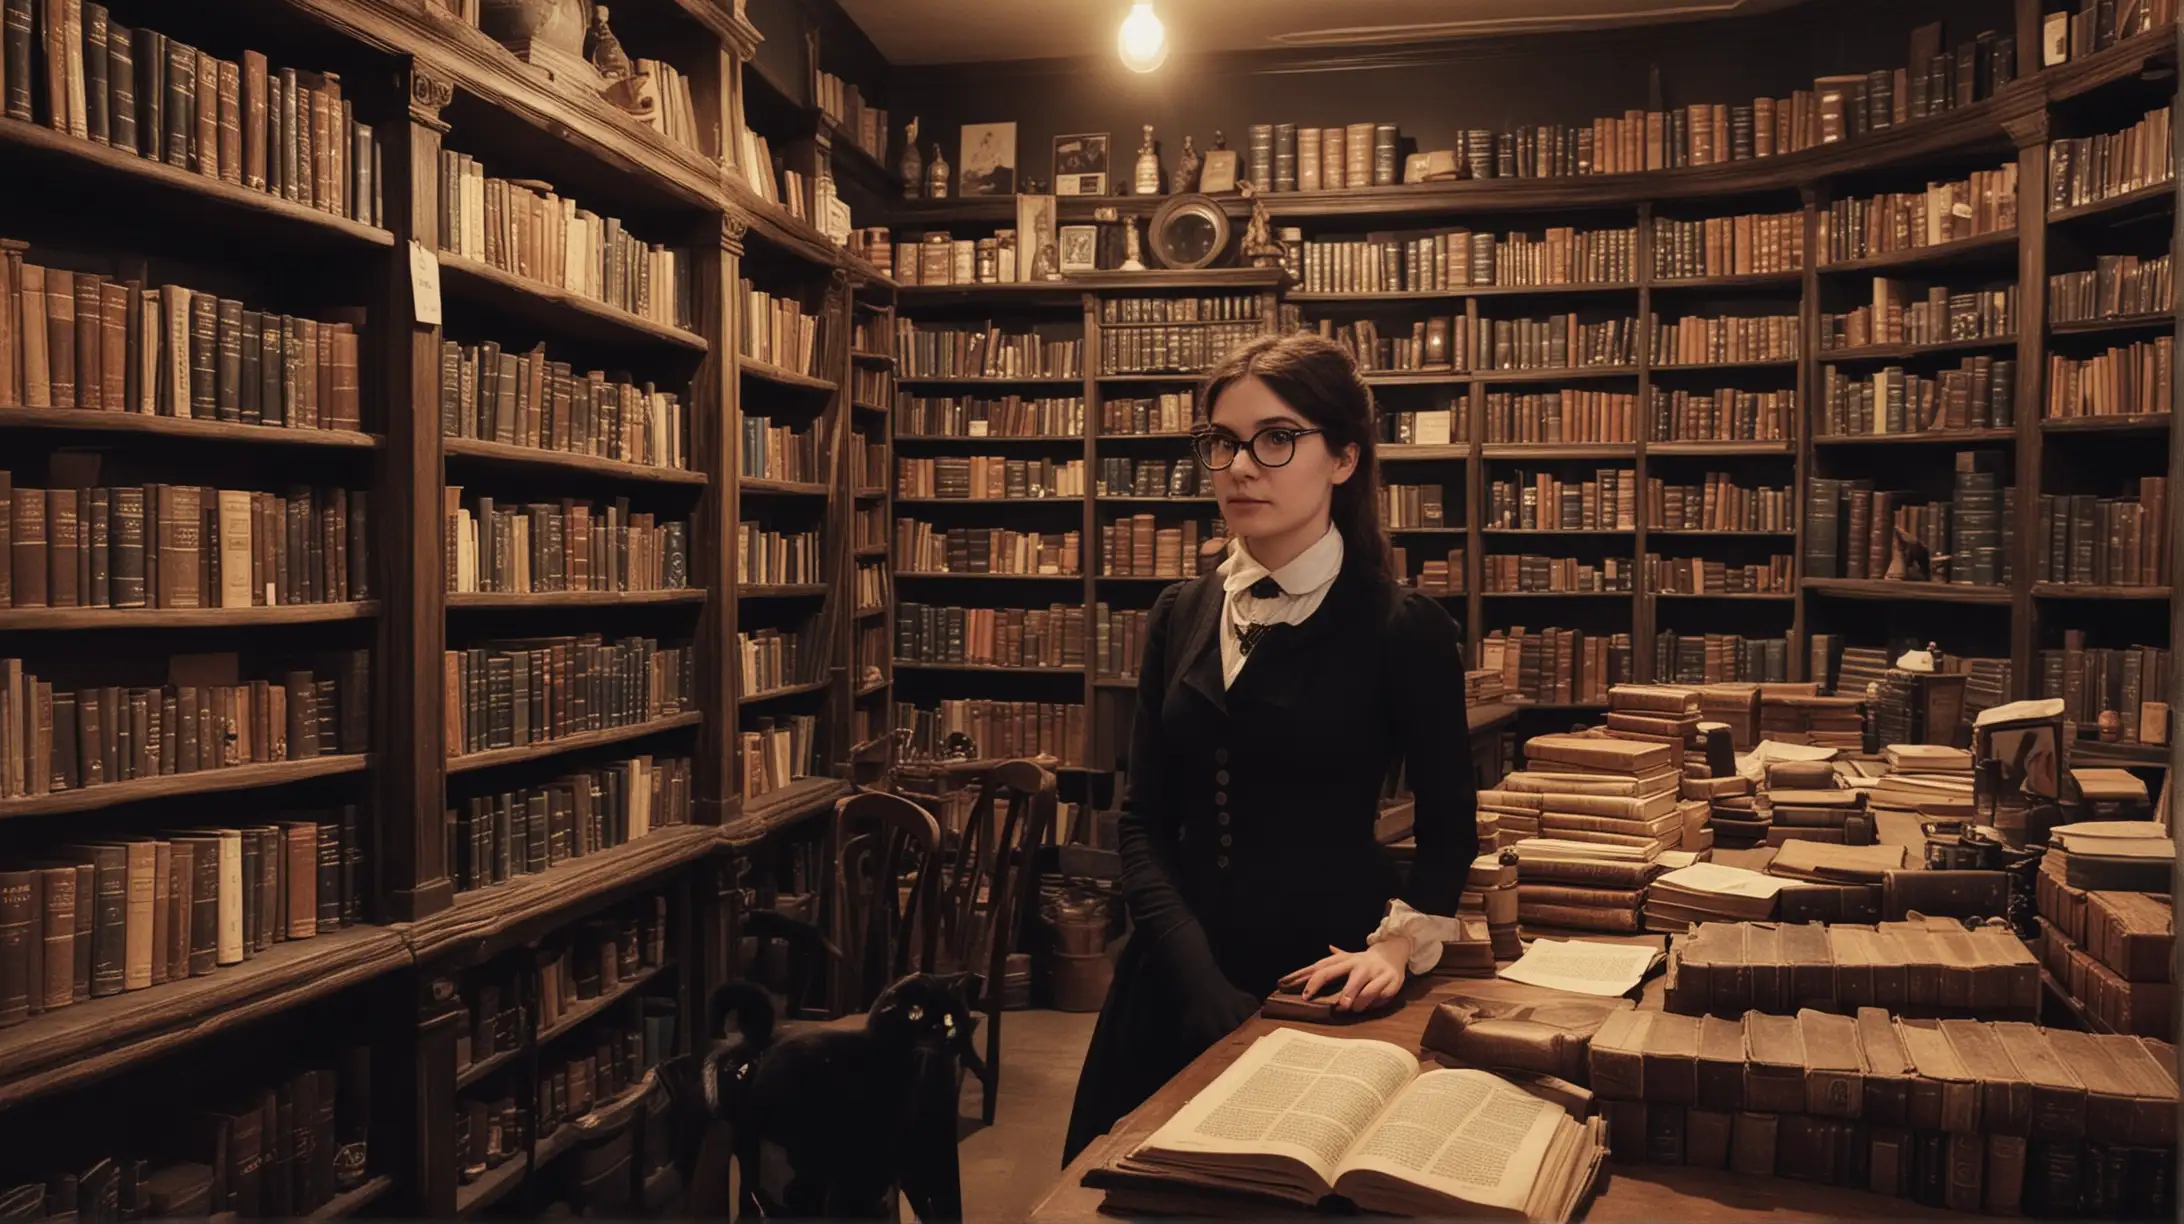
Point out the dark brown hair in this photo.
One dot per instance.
(1318, 380)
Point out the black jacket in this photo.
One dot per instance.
(1247, 827)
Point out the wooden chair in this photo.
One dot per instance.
(988, 894)
(887, 891)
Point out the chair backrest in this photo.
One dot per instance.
(885, 841)
(988, 883)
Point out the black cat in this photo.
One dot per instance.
(855, 1111)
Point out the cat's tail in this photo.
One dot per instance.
(752, 1009)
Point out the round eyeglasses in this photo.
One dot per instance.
(1271, 447)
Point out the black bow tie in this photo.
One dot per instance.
(1266, 588)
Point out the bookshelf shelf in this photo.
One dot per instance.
(59, 619)
(1415, 378)
(482, 451)
(1729, 535)
(1550, 290)
(1725, 448)
(575, 1017)
(780, 376)
(2160, 321)
(781, 488)
(608, 1115)
(874, 687)
(203, 782)
(1924, 437)
(1556, 374)
(885, 361)
(476, 1071)
(1903, 352)
(1142, 378)
(1182, 435)
(1885, 589)
(1982, 248)
(1701, 367)
(1559, 531)
(1757, 596)
(762, 814)
(1403, 295)
(495, 758)
(871, 552)
(493, 1186)
(2151, 422)
(1422, 452)
(1439, 531)
(495, 601)
(1122, 683)
(1556, 594)
(82, 420)
(1064, 440)
(984, 380)
(2142, 202)
(779, 229)
(1071, 500)
(233, 209)
(776, 694)
(779, 590)
(914, 665)
(932, 575)
(1741, 280)
(1154, 500)
(567, 314)
(1559, 450)
(85, 1041)
(2076, 590)
(353, 1202)
(1146, 577)
(512, 913)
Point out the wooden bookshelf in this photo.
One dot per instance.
(494, 758)
(66, 619)
(234, 778)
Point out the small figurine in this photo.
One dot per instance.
(2111, 726)
(604, 50)
(1259, 246)
(1910, 560)
(936, 175)
(1148, 165)
(1186, 168)
(912, 167)
(1132, 260)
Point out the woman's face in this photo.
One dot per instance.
(1262, 502)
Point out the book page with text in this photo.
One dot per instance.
(1463, 1133)
(1293, 1094)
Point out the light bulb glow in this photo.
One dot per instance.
(1142, 41)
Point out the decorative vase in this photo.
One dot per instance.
(1148, 166)
(936, 176)
(547, 34)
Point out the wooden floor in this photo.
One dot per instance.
(1008, 1166)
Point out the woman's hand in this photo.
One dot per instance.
(1374, 975)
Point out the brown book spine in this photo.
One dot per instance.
(63, 539)
(90, 315)
(114, 346)
(254, 116)
(57, 886)
(35, 369)
(229, 94)
(206, 110)
(18, 909)
(27, 547)
(60, 317)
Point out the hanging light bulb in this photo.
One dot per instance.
(1142, 41)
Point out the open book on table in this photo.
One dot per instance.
(1300, 1117)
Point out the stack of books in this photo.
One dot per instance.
(2109, 949)
(1836, 815)
(1797, 714)
(1710, 892)
(1921, 967)
(1965, 1114)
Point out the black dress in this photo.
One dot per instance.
(1247, 829)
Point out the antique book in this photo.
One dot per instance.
(1532, 1161)
(1834, 1065)
(1513, 1027)
(1944, 1096)
(1774, 1070)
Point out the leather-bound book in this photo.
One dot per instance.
(34, 335)
(181, 533)
(230, 893)
(1720, 1064)
(87, 888)
(1809, 964)
(126, 556)
(204, 362)
(110, 915)
(1664, 1135)
(1944, 1095)
(1889, 1160)
(1707, 1135)
(1774, 1069)
(1888, 1068)
(2132, 933)
(1967, 1157)
(90, 318)
(239, 1135)
(174, 351)
(60, 318)
(57, 929)
(227, 94)
(300, 883)
(2005, 1095)
(1765, 974)
(1834, 1065)
(1752, 1143)
(179, 1191)
(205, 112)
(18, 910)
(63, 538)
(121, 119)
(253, 86)
(180, 117)
(113, 346)
(227, 356)
(1670, 1060)
(140, 863)
(15, 30)
(1616, 1056)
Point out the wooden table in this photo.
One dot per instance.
(1627, 1191)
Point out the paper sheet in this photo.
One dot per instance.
(1726, 881)
(1752, 765)
(1581, 966)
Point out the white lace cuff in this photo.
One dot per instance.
(1427, 932)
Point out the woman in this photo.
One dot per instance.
(1274, 697)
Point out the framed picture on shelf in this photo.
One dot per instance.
(1034, 233)
(1080, 249)
(1080, 164)
(989, 160)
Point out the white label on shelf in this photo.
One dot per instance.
(1433, 428)
(424, 275)
(978, 429)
